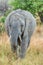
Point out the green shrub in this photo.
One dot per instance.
(2, 29)
(2, 19)
(31, 5)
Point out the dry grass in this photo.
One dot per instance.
(34, 55)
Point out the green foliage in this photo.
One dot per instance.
(2, 29)
(31, 5)
(40, 6)
(2, 19)
(34, 6)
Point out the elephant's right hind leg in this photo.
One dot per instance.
(13, 48)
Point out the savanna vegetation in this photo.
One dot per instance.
(34, 55)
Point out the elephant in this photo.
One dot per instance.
(4, 6)
(20, 25)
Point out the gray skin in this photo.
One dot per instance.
(20, 25)
(4, 6)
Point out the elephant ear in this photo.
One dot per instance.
(7, 26)
(21, 20)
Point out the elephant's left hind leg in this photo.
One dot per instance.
(24, 45)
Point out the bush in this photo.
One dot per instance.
(2, 29)
(25, 4)
(31, 5)
(2, 19)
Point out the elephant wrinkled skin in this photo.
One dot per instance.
(20, 25)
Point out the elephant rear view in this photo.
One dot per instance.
(20, 25)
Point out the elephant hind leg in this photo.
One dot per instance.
(28, 43)
(18, 40)
(13, 48)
